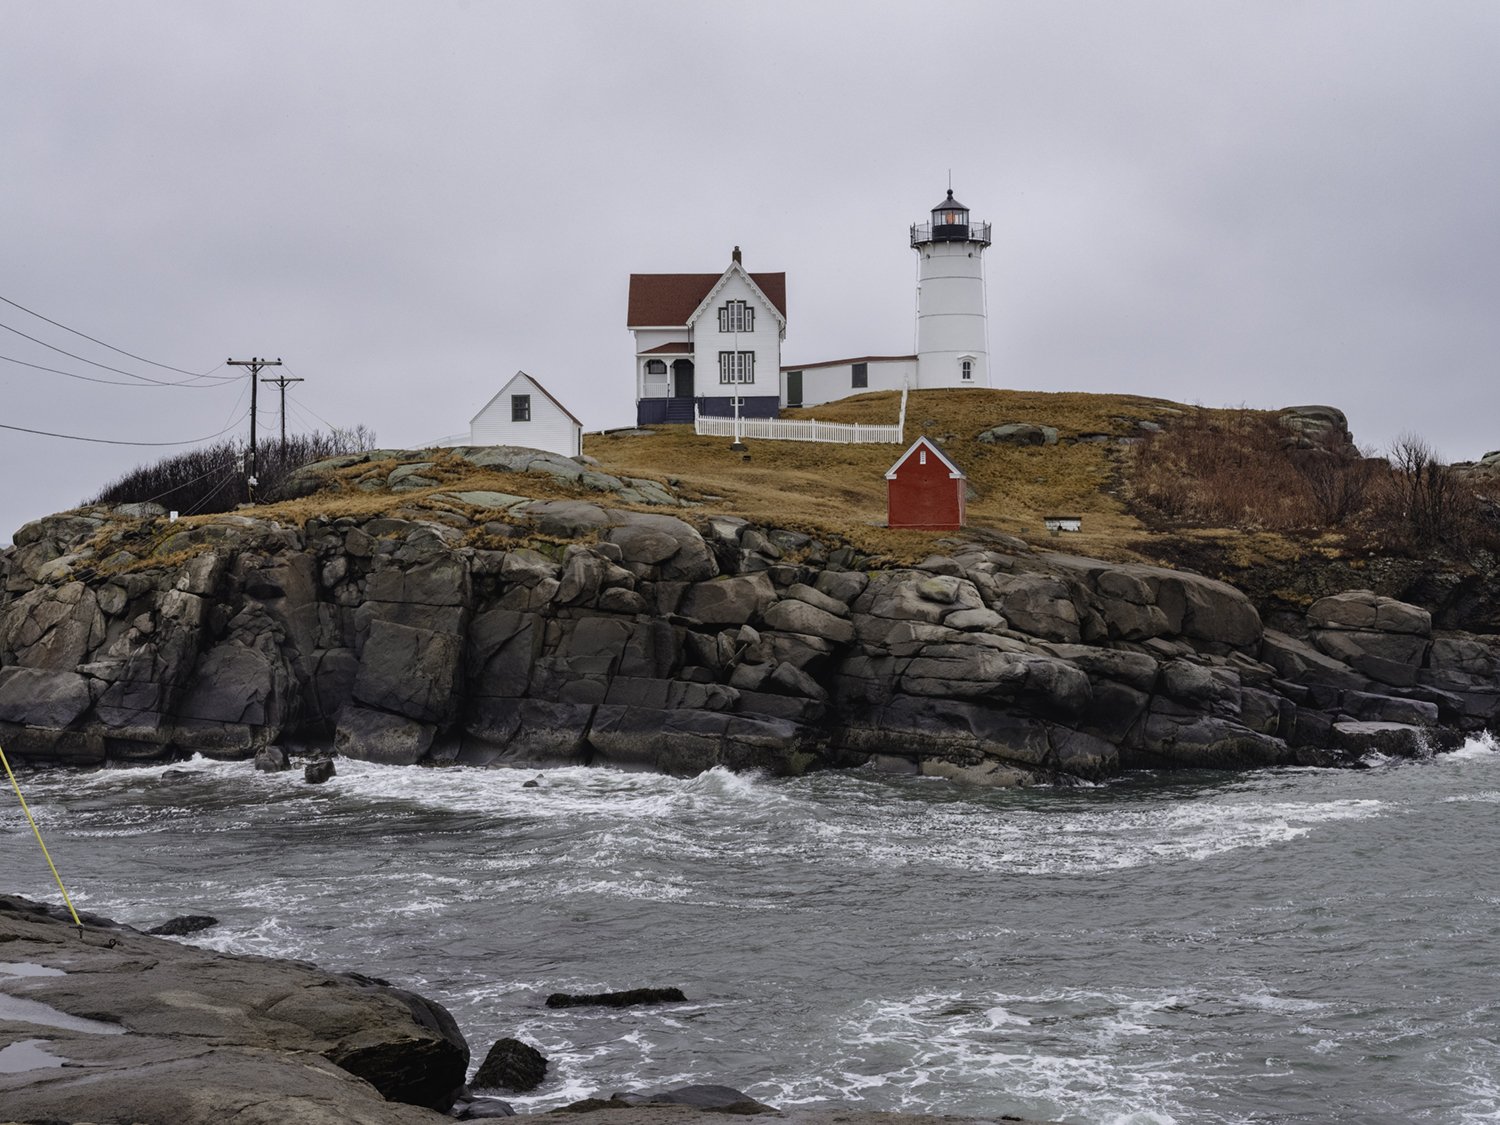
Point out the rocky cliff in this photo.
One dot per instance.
(496, 629)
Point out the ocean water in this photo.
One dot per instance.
(1291, 945)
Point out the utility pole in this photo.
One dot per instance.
(254, 364)
(281, 381)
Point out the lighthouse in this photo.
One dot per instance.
(952, 332)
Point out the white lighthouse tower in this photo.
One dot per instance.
(952, 333)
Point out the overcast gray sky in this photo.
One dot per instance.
(1231, 203)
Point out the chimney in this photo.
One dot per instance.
(736, 255)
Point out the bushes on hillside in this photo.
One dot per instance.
(212, 478)
(1242, 469)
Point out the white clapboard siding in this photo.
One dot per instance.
(552, 426)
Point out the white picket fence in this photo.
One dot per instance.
(803, 429)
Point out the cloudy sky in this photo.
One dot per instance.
(1258, 203)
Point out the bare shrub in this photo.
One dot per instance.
(1223, 468)
(1433, 504)
(212, 478)
(1241, 469)
(1340, 487)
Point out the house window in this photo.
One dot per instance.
(736, 367)
(967, 369)
(861, 375)
(520, 408)
(736, 316)
(656, 367)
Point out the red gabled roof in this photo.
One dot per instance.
(662, 300)
(923, 443)
(681, 347)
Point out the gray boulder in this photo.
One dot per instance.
(213, 1037)
(410, 671)
(792, 615)
(1038, 604)
(1018, 433)
(728, 601)
(1366, 611)
(1208, 742)
(1398, 740)
(1317, 427)
(662, 545)
(511, 1065)
(42, 698)
(368, 735)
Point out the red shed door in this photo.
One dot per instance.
(922, 494)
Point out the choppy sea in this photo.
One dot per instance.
(1290, 945)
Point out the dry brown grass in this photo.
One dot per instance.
(841, 489)
(1235, 481)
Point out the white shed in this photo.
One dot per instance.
(525, 414)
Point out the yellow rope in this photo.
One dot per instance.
(37, 832)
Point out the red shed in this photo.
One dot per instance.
(925, 490)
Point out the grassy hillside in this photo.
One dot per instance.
(1223, 491)
(842, 488)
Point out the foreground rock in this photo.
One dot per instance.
(713, 1099)
(511, 1065)
(577, 633)
(611, 1112)
(629, 998)
(121, 1026)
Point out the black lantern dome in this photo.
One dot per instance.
(950, 223)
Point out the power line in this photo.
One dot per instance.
(229, 470)
(117, 370)
(101, 343)
(113, 382)
(113, 441)
(229, 475)
(311, 411)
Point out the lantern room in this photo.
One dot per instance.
(950, 223)
(950, 220)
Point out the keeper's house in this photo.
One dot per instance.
(706, 339)
(925, 490)
(523, 413)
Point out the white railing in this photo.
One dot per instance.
(803, 429)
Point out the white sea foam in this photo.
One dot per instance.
(1050, 841)
(1053, 1054)
(1476, 746)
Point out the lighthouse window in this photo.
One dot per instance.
(860, 376)
(736, 367)
(968, 369)
(736, 316)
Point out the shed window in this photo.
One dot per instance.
(520, 408)
(861, 375)
(921, 457)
